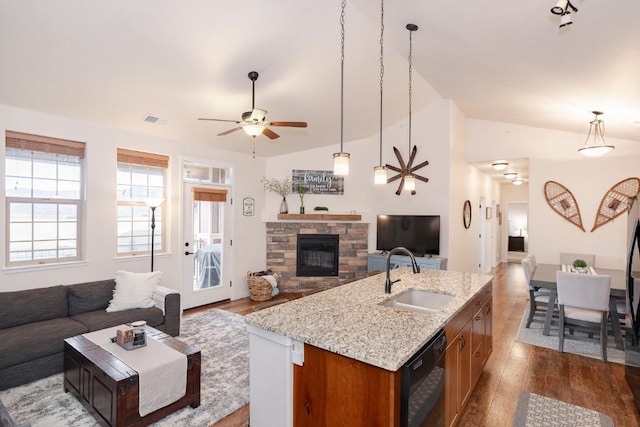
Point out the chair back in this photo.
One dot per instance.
(587, 291)
(527, 268)
(534, 262)
(567, 258)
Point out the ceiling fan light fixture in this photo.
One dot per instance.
(409, 183)
(253, 129)
(379, 175)
(597, 146)
(510, 175)
(341, 163)
(500, 165)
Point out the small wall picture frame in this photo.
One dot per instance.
(488, 213)
(248, 206)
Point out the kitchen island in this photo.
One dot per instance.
(348, 331)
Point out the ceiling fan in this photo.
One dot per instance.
(253, 122)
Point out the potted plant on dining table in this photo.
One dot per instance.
(580, 266)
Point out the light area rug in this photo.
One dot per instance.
(534, 410)
(223, 341)
(578, 343)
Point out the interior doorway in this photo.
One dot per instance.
(517, 231)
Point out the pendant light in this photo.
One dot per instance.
(380, 171)
(410, 180)
(598, 146)
(341, 159)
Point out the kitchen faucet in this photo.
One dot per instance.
(414, 265)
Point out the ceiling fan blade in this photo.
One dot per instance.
(270, 134)
(399, 156)
(258, 115)
(227, 132)
(421, 178)
(393, 178)
(220, 120)
(290, 124)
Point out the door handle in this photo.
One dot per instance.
(188, 253)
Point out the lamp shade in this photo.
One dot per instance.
(595, 150)
(409, 183)
(341, 163)
(153, 202)
(254, 129)
(380, 175)
(560, 7)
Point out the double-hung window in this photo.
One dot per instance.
(44, 191)
(141, 181)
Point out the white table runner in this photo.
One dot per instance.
(162, 371)
(571, 269)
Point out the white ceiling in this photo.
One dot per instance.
(112, 62)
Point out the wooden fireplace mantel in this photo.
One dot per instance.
(321, 217)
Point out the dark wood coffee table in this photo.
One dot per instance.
(109, 388)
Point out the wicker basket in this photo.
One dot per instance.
(259, 288)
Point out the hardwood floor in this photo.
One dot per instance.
(514, 367)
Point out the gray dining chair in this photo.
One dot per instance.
(538, 299)
(534, 262)
(567, 258)
(584, 304)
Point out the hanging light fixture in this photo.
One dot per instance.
(598, 146)
(380, 171)
(500, 165)
(409, 179)
(341, 159)
(564, 8)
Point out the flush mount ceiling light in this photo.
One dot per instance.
(500, 165)
(380, 171)
(510, 175)
(517, 181)
(341, 159)
(597, 146)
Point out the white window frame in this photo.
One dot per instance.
(140, 162)
(56, 149)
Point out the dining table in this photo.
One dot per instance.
(544, 276)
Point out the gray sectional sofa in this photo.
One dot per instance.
(34, 323)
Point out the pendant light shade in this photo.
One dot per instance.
(409, 183)
(341, 159)
(341, 163)
(379, 175)
(595, 144)
(380, 171)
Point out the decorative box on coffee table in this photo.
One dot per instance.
(109, 389)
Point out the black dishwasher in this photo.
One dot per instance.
(422, 385)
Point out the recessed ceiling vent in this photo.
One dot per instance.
(155, 120)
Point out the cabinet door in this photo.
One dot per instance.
(488, 330)
(451, 387)
(465, 380)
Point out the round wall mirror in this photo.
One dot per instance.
(466, 214)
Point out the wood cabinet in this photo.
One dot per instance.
(333, 390)
(469, 346)
(378, 262)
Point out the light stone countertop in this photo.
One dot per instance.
(349, 320)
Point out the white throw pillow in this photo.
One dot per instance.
(134, 290)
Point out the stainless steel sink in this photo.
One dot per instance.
(419, 301)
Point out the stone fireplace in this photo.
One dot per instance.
(282, 252)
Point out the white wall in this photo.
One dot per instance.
(553, 156)
(100, 220)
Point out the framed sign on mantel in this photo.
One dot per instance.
(318, 182)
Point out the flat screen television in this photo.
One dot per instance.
(418, 233)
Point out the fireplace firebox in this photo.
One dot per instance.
(317, 255)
